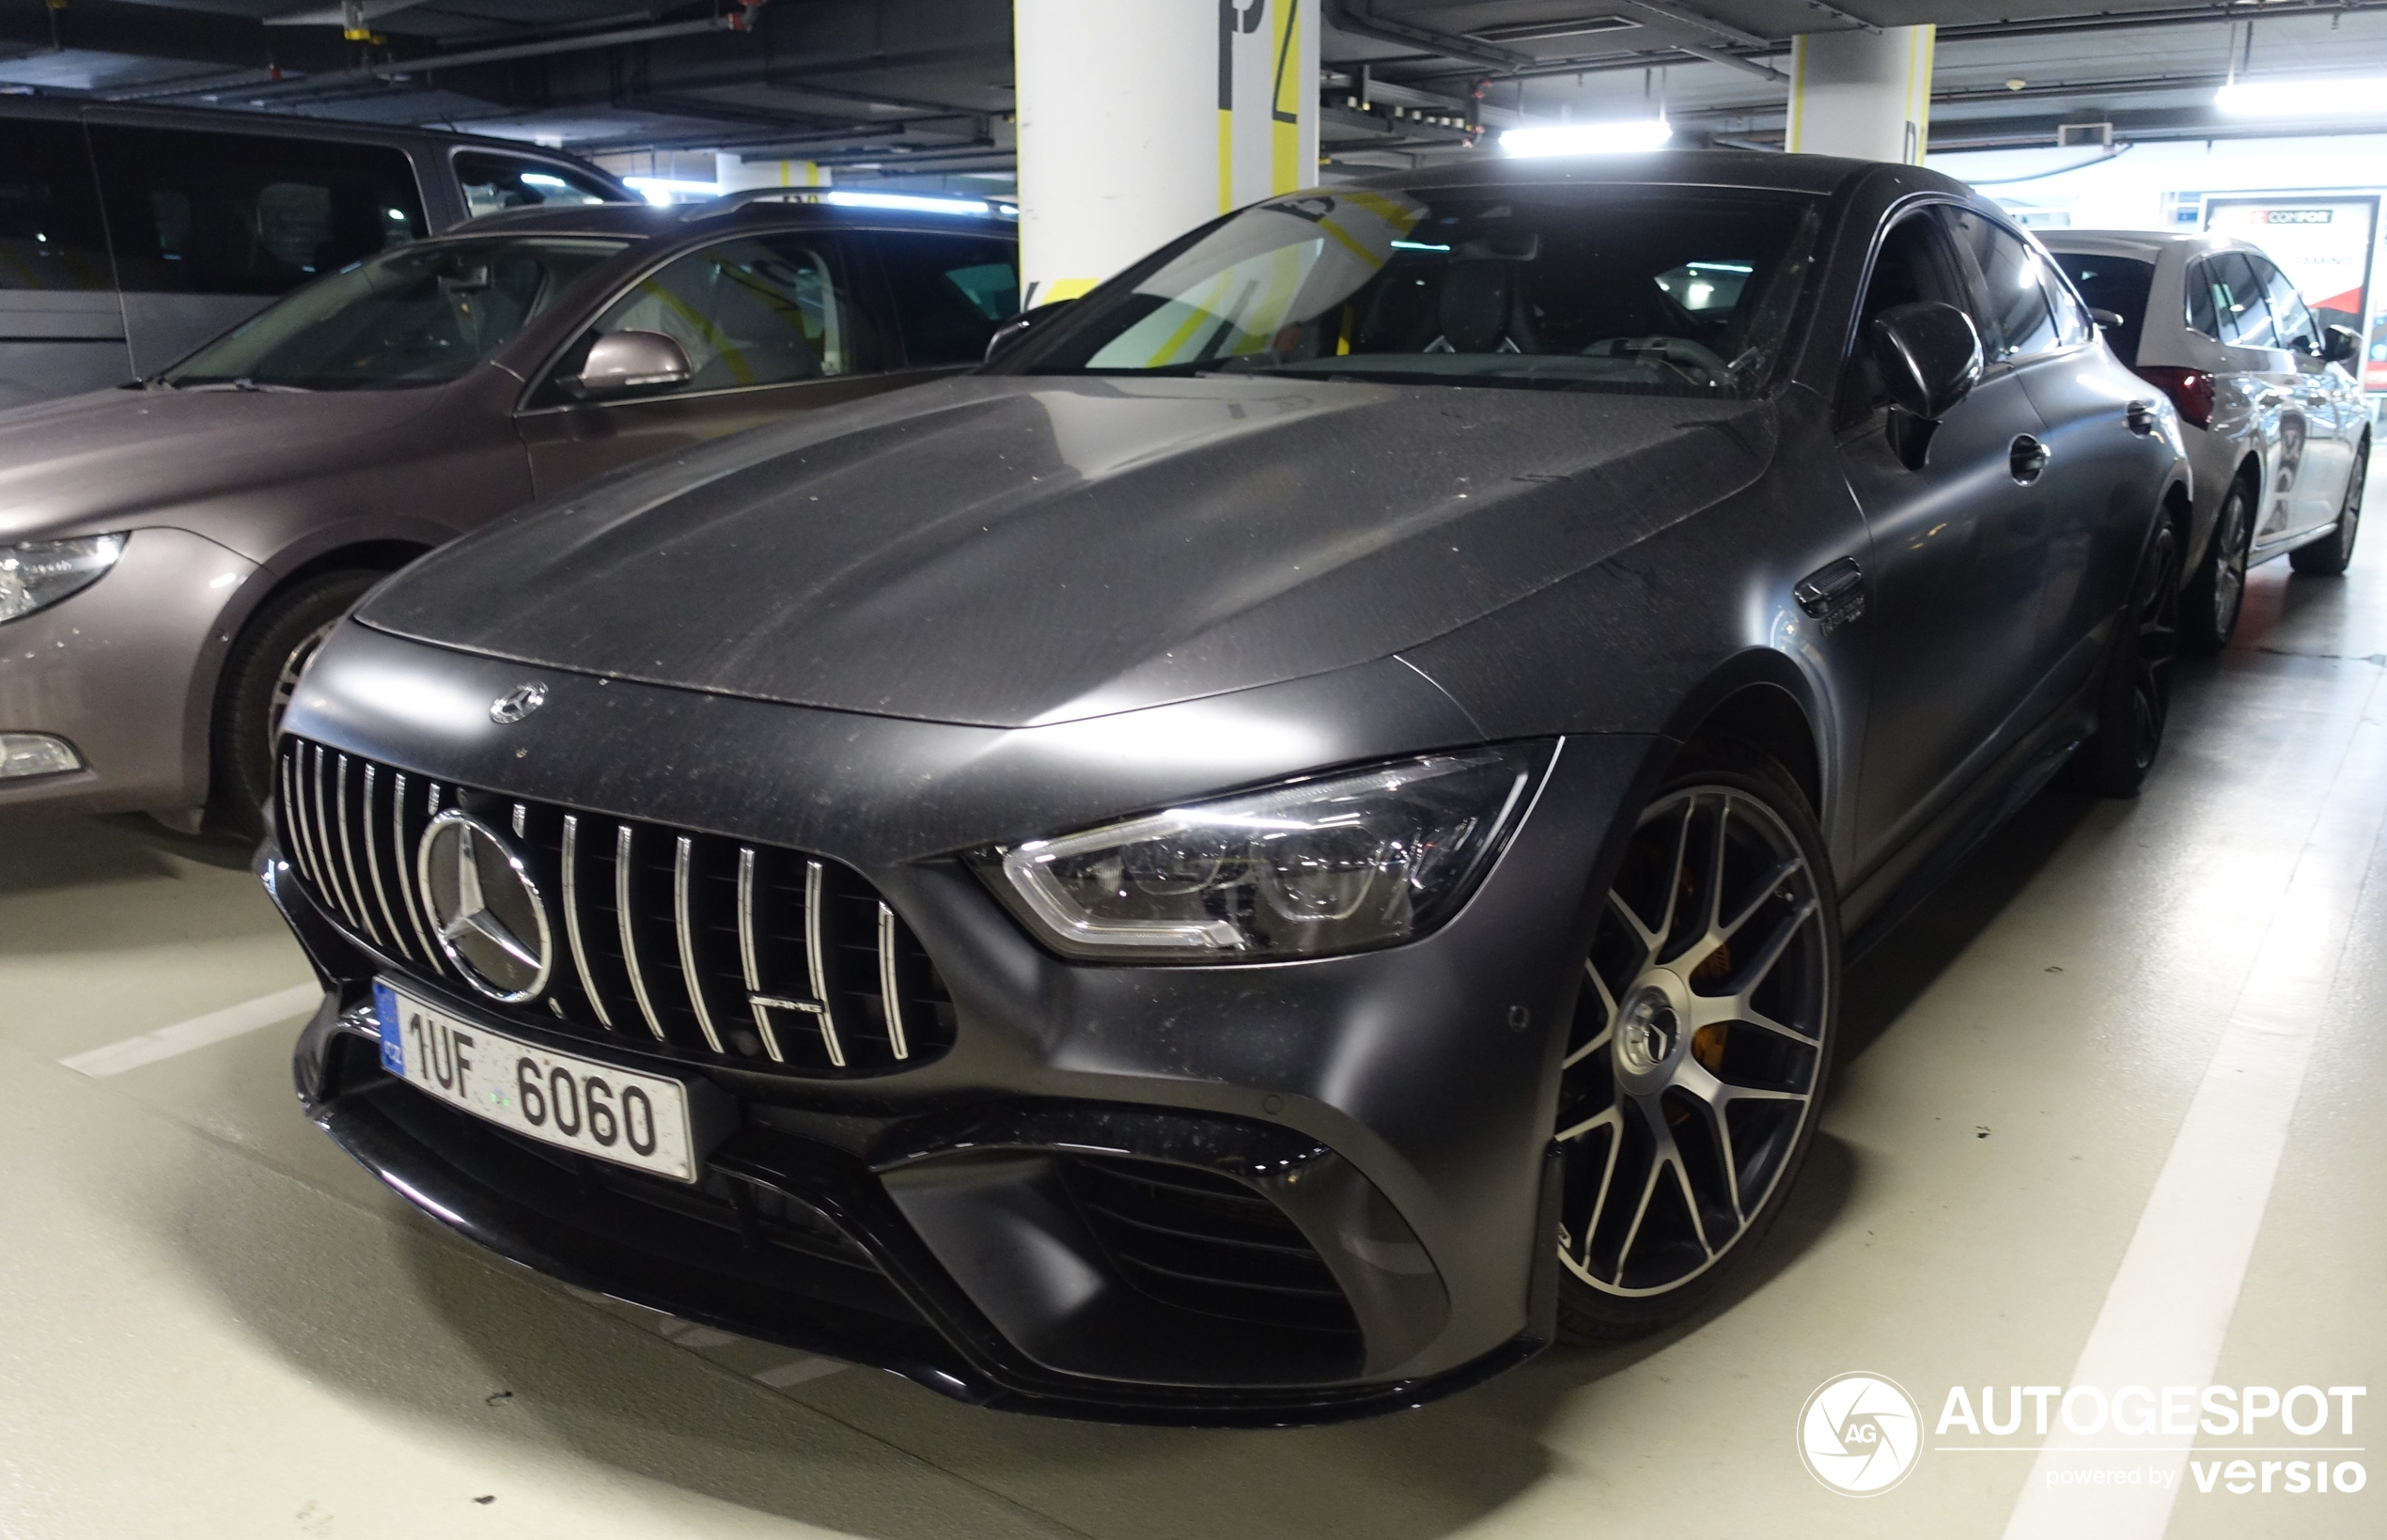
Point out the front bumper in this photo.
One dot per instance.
(124, 672)
(1384, 1115)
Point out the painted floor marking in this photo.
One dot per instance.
(2167, 1313)
(199, 1032)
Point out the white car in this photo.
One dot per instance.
(2278, 432)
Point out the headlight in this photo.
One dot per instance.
(39, 573)
(1342, 862)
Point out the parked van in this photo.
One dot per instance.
(130, 235)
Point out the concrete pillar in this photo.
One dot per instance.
(1866, 95)
(1141, 119)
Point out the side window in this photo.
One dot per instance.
(2204, 309)
(492, 182)
(949, 292)
(50, 231)
(1913, 263)
(762, 310)
(2018, 321)
(237, 213)
(2292, 325)
(2238, 306)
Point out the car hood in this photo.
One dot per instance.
(1021, 550)
(115, 458)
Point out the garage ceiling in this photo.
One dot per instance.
(921, 89)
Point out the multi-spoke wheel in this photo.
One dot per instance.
(1700, 1047)
(2136, 698)
(2217, 590)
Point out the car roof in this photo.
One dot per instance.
(670, 222)
(2150, 245)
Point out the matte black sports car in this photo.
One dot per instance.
(1277, 849)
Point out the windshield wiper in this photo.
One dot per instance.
(246, 385)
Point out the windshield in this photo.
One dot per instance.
(419, 314)
(1642, 290)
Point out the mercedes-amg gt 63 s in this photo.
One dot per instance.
(1284, 845)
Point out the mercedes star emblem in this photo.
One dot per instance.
(490, 919)
(517, 703)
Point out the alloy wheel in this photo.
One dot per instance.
(2230, 575)
(1699, 1045)
(2154, 611)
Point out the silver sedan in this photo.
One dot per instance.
(2277, 428)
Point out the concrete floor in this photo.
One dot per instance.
(2114, 1110)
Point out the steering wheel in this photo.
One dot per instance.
(1681, 354)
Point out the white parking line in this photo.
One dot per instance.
(199, 1032)
(2167, 1313)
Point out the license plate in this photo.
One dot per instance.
(559, 1098)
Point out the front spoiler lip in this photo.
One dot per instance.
(961, 1359)
(956, 1352)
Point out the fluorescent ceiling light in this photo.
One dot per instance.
(540, 179)
(662, 190)
(2338, 97)
(905, 201)
(1587, 138)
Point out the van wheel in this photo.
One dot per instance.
(2136, 696)
(2210, 609)
(2327, 558)
(259, 676)
(1701, 1040)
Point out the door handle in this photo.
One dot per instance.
(2270, 397)
(2027, 458)
(2141, 417)
(1833, 595)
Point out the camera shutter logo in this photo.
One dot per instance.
(1860, 1434)
(490, 921)
(517, 703)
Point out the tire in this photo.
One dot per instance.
(2327, 558)
(2210, 608)
(1694, 1080)
(258, 676)
(2135, 697)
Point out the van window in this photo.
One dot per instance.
(949, 292)
(493, 182)
(238, 213)
(50, 232)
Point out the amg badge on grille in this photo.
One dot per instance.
(517, 703)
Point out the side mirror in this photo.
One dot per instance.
(1013, 331)
(1929, 356)
(2339, 343)
(620, 363)
(2110, 321)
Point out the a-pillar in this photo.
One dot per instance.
(1863, 94)
(1139, 119)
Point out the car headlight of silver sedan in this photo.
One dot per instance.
(39, 573)
(1343, 861)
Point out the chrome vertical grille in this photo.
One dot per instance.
(720, 949)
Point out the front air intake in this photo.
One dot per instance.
(715, 947)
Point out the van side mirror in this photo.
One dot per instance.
(1015, 331)
(1929, 356)
(2339, 343)
(623, 363)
